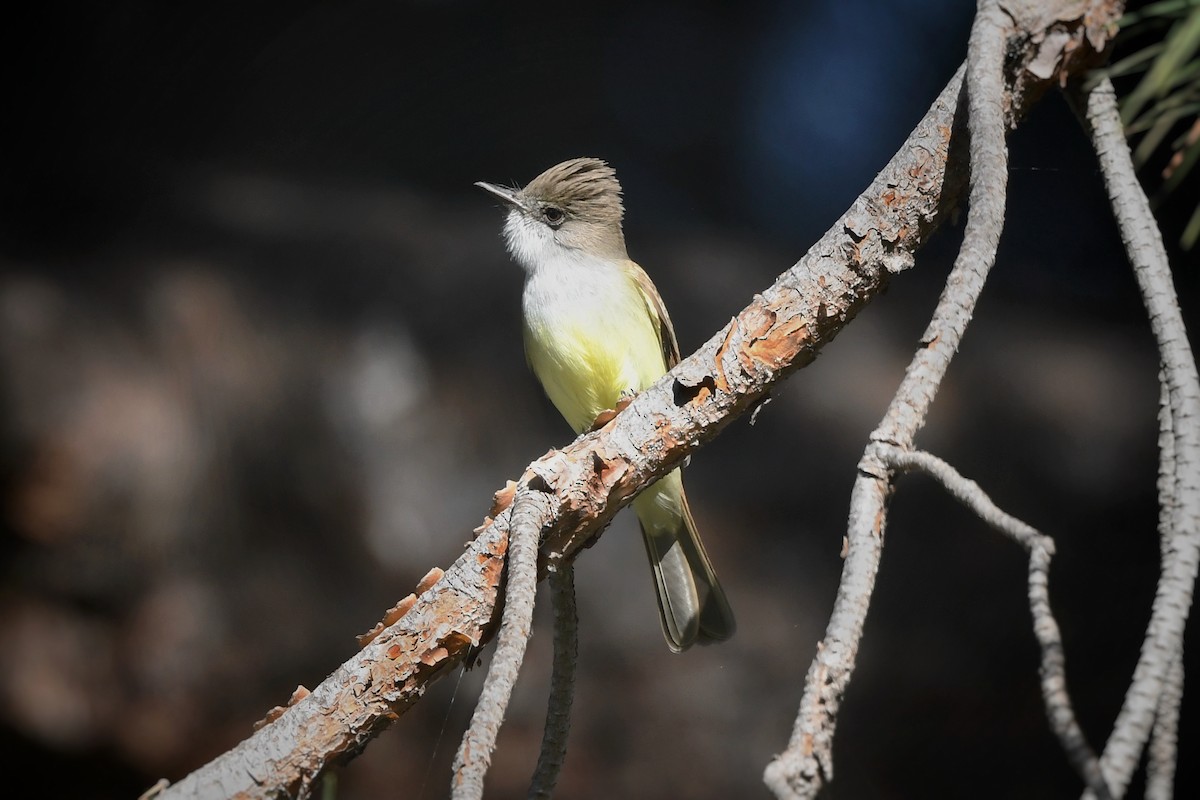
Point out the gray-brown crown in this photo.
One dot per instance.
(584, 188)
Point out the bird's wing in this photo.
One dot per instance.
(658, 312)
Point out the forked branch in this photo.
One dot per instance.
(579, 488)
(526, 516)
(807, 763)
(1059, 710)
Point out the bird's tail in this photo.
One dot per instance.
(690, 598)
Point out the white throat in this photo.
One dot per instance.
(533, 244)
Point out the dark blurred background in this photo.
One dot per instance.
(261, 369)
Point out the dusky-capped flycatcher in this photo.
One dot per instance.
(597, 332)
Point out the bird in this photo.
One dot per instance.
(596, 333)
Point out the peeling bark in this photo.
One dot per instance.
(781, 331)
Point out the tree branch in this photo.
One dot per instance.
(999, 29)
(527, 515)
(1040, 548)
(1164, 738)
(807, 763)
(969, 493)
(562, 684)
(780, 331)
(1180, 462)
(1054, 678)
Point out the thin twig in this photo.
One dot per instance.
(781, 330)
(971, 495)
(1163, 644)
(562, 683)
(1054, 678)
(1040, 547)
(807, 762)
(475, 754)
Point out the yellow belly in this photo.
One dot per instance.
(587, 360)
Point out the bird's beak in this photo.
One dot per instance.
(509, 196)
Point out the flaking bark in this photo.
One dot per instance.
(587, 482)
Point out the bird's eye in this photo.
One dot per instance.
(554, 216)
